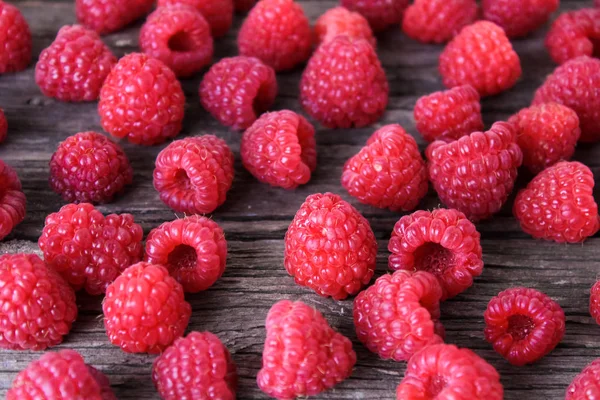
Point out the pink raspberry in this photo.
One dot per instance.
(15, 39)
(3, 126)
(574, 34)
(380, 13)
(12, 200)
(595, 302)
(519, 17)
(341, 21)
(586, 385)
(218, 13)
(106, 16)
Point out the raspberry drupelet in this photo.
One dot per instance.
(218, 13)
(341, 21)
(15, 39)
(586, 385)
(380, 13)
(280, 149)
(573, 34)
(303, 356)
(330, 247)
(12, 200)
(388, 172)
(595, 302)
(518, 17)
(3, 126)
(107, 16)
(193, 175)
(243, 5)
(237, 90)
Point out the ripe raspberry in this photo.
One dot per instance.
(480, 55)
(243, 5)
(280, 149)
(344, 84)
(180, 37)
(518, 17)
(574, 34)
(330, 247)
(558, 204)
(194, 174)
(388, 172)
(303, 356)
(438, 21)
(88, 249)
(3, 126)
(195, 367)
(12, 200)
(476, 173)
(278, 33)
(37, 307)
(218, 13)
(237, 90)
(546, 134)
(449, 114)
(106, 16)
(88, 167)
(586, 385)
(595, 302)
(379, 13)
(341, 21)
(444, 371)
(60, 376)
(15, 39)
(141, 100)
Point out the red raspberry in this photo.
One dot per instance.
(278, 33)
(476, 173)
(60, 376)
(518, 17)
(141, 100)
(195, 367)
(280, 149)
(388, 172)
(330, 247)
(444, 371)
(193, 249)
(379, 13)
(481, 56)
(438, 21)
(558, 204)
(12, 200)
(180, 37)
(449, 114)
(546, 134)
(344, 84)
(3, 126)
(237, 90)
(15, 39)
(595, 302)
(574, 34)
(37, 307)
(218, 13)
(586, 385)
(106, 16)
(341, 21)
(243, 5)
(303, 356)
(88, 167)
(194, 174)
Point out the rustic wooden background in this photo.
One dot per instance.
(255, 218)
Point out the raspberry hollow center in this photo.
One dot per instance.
(433, 258)
(436, 384)
(182, 180)
(182, 257)
(520, 326)
(263, 100)
(182, 42)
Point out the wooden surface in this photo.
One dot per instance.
(255, 218)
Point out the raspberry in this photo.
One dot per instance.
(480, 55)
(180, 37)
(388, 172)
(88, 249)
(193, 249)
(218, 13)
(12, 200)
(438, 21)
(88, 167)
(243, 5)
(518, 17)
(546, 134)
(595, 302)
(195, 367)
(194, 174)
(63, 375)
(106, 16)
(379, 13)
(15, 39)
(280, 149)
(37, 307)
(558, 204)
(330, 247)
(476, 173)
(303, 356)
(278, 33)
(341, 21)
(449, 114)
(344, 84)
(574, 34)
(444, 371)
(3, 126)
(523, 325)
(141, 100)
(586, 385)
(237, 90)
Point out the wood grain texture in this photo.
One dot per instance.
(255, 218)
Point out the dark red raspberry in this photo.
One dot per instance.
(476, 173)
(546, 134)
(243, 5)
(15, 39)
(60, 376)
(574, 34)
(344, 84)
(341, 21)
(180, 37)
(330, 247)
(379, 13)
(481, 56)
(518, 17)
(12, 200)
(3, 126)
(388, 172)
(278, 33)
(558, 204)
(303, 356)
(194, 174)
(237, 90)
(280, 149)
(444, 371)
(586, 385)
(88, 167)
(438, 21)
(195, 367)
(106, 16)
(523, 325)
(218, 13)
(595, 302)
(449, 114)
(37, 307)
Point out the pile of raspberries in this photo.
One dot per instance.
(329, 246)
